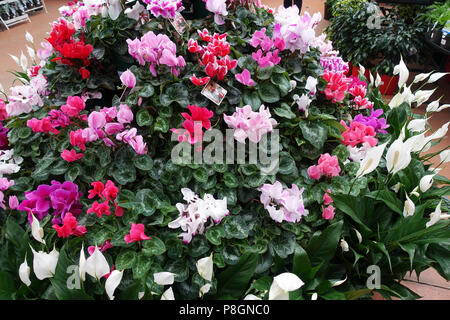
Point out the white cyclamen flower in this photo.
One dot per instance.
(205, 267)
(164, 278)
(283, 284)
(113, 282)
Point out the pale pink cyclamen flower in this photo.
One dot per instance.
(249, 124)
(13, 202)
(164, 8)
(328, 213)
(219, 8)
(128, 79)
(125, 115)
(46, 52)
(245, 78)
(80, 17)
(283, 204)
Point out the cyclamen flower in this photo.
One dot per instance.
(283, 204)
(105, 246)
(61, 197)
(100, 209)
(219, 8)
(70, 227)
(156, 50)
(245, 78)
(249, 124)
(264, 56)
(196, 213)
(136, 233)
(297, 31)
(4, 142)
(71, 155)
(164, 8)
(327, 165)
(9, 163)
(337, 86)
(98, 189)
(128, 79)
(198, 119)
(358, 133)
(328, 213)
(199, 81)
(3, 112)
(22, 100)
(73, 106)
(379, 124)
(334, 64)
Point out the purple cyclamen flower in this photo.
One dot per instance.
(379, 124)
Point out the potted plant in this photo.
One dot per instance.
(377, 42)
(437, 16)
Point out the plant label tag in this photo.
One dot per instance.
(214, 92)
(179, 23)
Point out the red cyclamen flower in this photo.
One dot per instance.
(136, 233)
(70, 227)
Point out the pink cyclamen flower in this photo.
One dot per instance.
(328, 213)
(13, 202)
(105, 246)
(245, 78)
(337, 85)
(71, 155)
(328, 165)
(125, 115)
(73, 106)
(314, 172)
(136, 233)
(96, 120)
(70, 227)
(326, 198)
(128, 79)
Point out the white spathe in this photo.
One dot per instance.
(409, 207)
(398, 156)
(283, 284)
(205, 267)
(168, 294)
(96, 264)
(371, 160)
(112, 283)
(402, 71)
(44, 264)
(426, 182)
(164, 278)
(36, 231)
(24, 273)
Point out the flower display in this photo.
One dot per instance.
(297, 166)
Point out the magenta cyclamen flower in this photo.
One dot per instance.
(4, 142)
(283, 204)
(58, 197)
(245, 78)
(156, 50)
(267, 55)
(164, 8)
(379, 124)
(249, 124)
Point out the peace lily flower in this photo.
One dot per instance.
(396, 100)
(426, 182)
(378, 81)
(96, 264)
(415, 192)
(24, 273)
(396, 187)
(252, 297)
(16, 60)
(436, 76)
(417, 125)
(82, 264)
(23, 61)
(422, 96)
(436, 216)
(398, 156)
(44, 264)
(31, 52)
(204, 290)
(339, 282)
(344, 245)
(205, 267)
(440, 133)
(402, 71)
(36, 231)
(358, 235)
(168, 294)
(421, 76)
(113, 282)
(29, 37)
(445, 156)
(314, 296)
(434, 106)
(409, 207)
(362, 70)
(371, 161)
(164, 278)
(283, 284)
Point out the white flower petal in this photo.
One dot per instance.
(113, 282)
(24, 273)
(168, 294)
(96, 264)
(164, 278)
(205, 267)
